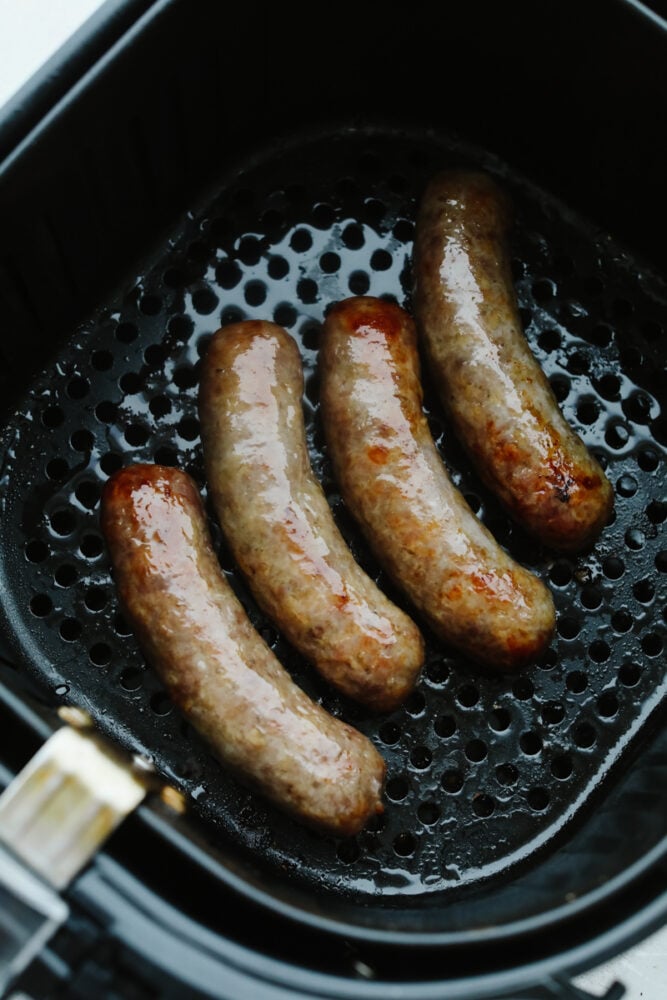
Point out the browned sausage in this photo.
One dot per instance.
(394, 482)
(279, 526)
(217, 668)
(492, 387)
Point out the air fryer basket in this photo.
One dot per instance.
(488, 776)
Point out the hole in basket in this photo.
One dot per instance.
(444, 726)
(507, 774)
(420, 758)
(106, 412)
(523, 689)
(91, 546)
(188, 428)
(617, 435)
(121, 627)
(66, 575)
(467, 696)
(560, 574)
(41, 605)
(607, 704)
(353, 236)
(102, 360)
(644, 591)
(132, 679)
(397, 789)
(530, 743)
(301, 240)
(255, 293)
(483, 805)
(578, 363)
(576, 681)
(568, 627)
(428, 813)
(228, 274)
(110, 463)
(130, 383)
(626, 485)
(538, 799)
(560, 385)
(475, 751)
(329, 262)
(150, 305)
(621, 621)
(36, 551)
(587, 411)
(553, 713)
(584, 736)
(277, 268)
(88, 494)
(635, 539)
(613, 568)
(629, 674)
(126, 333)
(415, 704)
(306, 289)
(70, 629)
(77, 387)
(100, 654)
(82, 440)
(204, 301)
(185, 377)
(656, 511)
(648, 459)
(285, 315)
(549, 340)
(389, 733)
(404, 845)
(561, 767)
(608, 386)
(652, 644)
(359, 283)
(161, 704)
(348, 851)
(452, 781)
(96, 598)
(591, 598)
(57, 469)
(52, 417)
(166, 456)
(381, 260)
(599, 651)
(500, 719)
(63, 522)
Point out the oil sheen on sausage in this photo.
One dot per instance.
(491, 385)
(216, 667)
(279, 526)
(396, 485)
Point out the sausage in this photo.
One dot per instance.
(216, 667)
(278, 524)
(394, 482)
(492, 387)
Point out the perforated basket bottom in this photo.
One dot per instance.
(482, 770)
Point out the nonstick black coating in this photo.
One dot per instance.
(483, 771)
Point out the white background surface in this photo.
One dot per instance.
(30, 31)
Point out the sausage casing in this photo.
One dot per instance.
(396, 485)
(216, 667)
(492, 387)
(278, 524)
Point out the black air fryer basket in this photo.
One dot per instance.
(211, 164)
